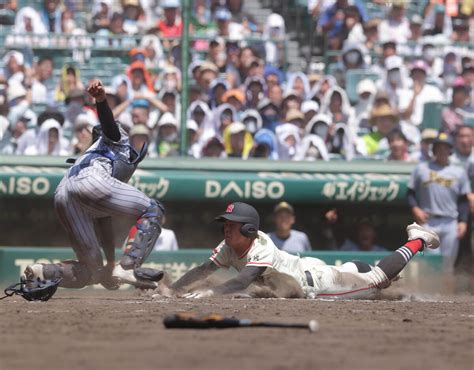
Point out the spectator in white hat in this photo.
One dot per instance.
(201, 115)
(49, 140)
(312, 148)
(252, 120)
(321, 87)
(28, 21)
(168, 140)
(193, 144)
(19, 102)
(14, 69)
(154, 57)
(395, 82)
(238, 141)
(366, 92)
(431, 56)
(288, 136)
(413, 48)
(396, 26)
(337, 106)
(274, 33)
(298, 82)
(412, 103)
(319, 125)
(309, 108)
(223, 116)
(171, 24)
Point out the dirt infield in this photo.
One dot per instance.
(123, 330)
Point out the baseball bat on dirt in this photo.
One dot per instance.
(192, 321)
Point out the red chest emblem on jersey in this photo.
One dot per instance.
(230, 208)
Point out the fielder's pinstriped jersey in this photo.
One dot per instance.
(262, 253)
(91, 158)
(88, 191)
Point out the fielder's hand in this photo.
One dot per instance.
(96, 90)
(199, 294)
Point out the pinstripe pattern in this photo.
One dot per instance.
(91, 194)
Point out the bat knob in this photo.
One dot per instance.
(313, 326)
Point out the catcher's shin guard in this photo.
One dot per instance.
(147, 230)
(73, 274)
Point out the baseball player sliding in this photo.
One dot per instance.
(253, 254)
(93, 191)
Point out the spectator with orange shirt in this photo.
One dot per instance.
(171, 25)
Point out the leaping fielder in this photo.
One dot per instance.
(93, 191)
(253, 254)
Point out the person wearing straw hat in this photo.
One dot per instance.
(383, 120)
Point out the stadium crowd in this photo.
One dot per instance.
(372, 99)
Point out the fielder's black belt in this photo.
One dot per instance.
(309, 278)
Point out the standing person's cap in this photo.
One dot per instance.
(20, 59)
(398, 4)
(130, 3)
(309, 105)
(429, 134)
(382, 111)
(167, 119)
(366, 86)
(393, 62)
(169, 4)
(209, 66)
(443, 138)
(140, 103)
(284, 206)
(240, 212)
(192, 125)
(294, 114)
(419, 64)
(223, 14)
(236, 127)
(139, 130)
(416, 19)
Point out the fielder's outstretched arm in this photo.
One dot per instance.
(247, 276)
(197, 273)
